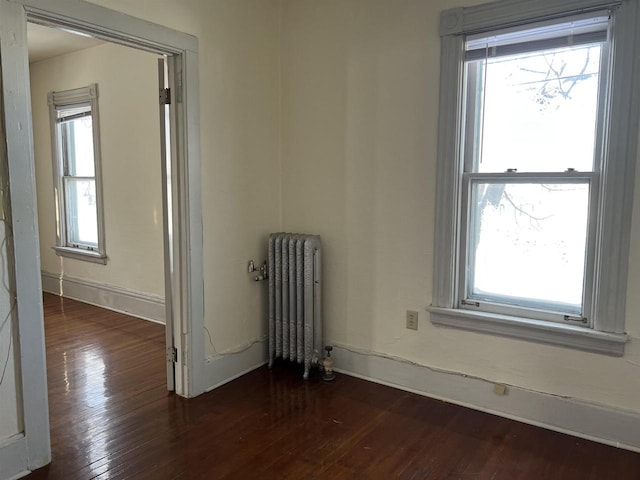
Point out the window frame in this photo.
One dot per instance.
(528, 42)
(69, 98)
(605, 332)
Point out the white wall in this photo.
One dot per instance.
(357, 85)
(239, 131)
(10, 417)
(360, 107)
(131, 165)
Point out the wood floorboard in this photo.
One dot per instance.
(112, 418)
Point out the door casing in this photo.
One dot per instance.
(32, 450)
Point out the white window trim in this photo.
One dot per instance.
(88, 94)
(607, 334)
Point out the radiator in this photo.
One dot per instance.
(295, 320)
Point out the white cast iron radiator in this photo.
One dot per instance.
(295, 321)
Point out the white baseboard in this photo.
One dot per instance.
(222, 369)
(567, 415)
(138, 304)
(13, 457)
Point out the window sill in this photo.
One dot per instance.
(534, 330)
(79, 254)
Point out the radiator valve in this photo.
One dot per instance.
(264, 271)
(327, 364)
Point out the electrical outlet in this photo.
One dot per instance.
(412, 320)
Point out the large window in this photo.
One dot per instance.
(533, 193)
(76, 148)
(531, 162)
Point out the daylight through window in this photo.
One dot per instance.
(531, 163)
(537, 143)
(76, 162)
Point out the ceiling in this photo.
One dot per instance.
(46, 42)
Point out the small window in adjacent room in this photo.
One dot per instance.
(535, 167)
(76, 158)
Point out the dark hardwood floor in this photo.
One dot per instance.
(111, 418)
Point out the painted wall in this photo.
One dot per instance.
(240, 142)
(357, 85)
(360, 83)
(10, 416)
(131, 165)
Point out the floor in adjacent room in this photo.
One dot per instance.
(111, 417)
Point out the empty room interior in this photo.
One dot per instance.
(442, 193)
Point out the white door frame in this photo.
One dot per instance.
(32, 449)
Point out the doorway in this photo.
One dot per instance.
(103, 240)
(180, 187)
(31, 449)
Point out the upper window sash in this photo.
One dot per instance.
(475, 88)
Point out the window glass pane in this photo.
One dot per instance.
(527, 244)
(82, 217)
(540, 110)
(77, 146)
